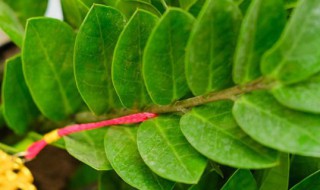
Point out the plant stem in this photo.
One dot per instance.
(179, 106)
(8, 149)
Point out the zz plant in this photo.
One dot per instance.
(236, 85)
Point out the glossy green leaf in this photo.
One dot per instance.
(212, 130)
(19, 109)
(296, 55)
(48, 69)
(302, 96)
(276, 178)
(241, 179)
(256, 36)
(273, 125)
(10, 24)
(167, 152)
(312, 182)
(94, 48)
(127, 61)
(25, 9)
(163, 61)
(211, 46)
(129, 7)
(88, 147)
(74, 11)
(122, 152)
(186, 4)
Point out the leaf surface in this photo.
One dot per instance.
(163, 60)
(18, 108)
(74, 11)
(127, 61)
(211, 46)
(166, 151)
(311, 182)
(94, 48)
(129, 7)
(241, 179)
(122, 152)
(295, 57)
(273, 125)
(48, 69)
(88, 147)
(212, 130)
(256, 36)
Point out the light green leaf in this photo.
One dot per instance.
(296, 55)
(88, 147)
(241, 179)
(94, 47)
(273, 125)
(166, 151)
(163, 61)
(122, 152)
(276, 178)
(127, 61)
(256, 36)
(302, 96)
(312, 182)
(212, 130)
(19, 109)
(210, 49)
(48, 69)
(74, 11)
(25, 9)
(129, 7)
(10, 24)
(186, 4)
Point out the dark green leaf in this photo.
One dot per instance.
(211, 46)
(88, 147)
(83, 177)
(312, 182)
(276, 178)
(25, 9)
(273, 125)
(296, 55)
(212, 130)
(166, 151)
(94, 47)
(111, 181)
(19, 109)
(10, 24)
(122, 152)
(241, 179)
(301, 167)
(163, 61)
(48, 68)
(196, 8)
(256, 36)
(127, 62)
(129, 7)
(186, 4)
(302, 96)
(209, 181)
(74, 11)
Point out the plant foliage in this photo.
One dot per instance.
(236, 84)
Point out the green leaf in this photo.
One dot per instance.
(208, 181)
(111, 181)
(94, 48)
(19, 109)
(273, 125)
(212, 130)
(74, 11)
(210, 49)
(129, 7)
(276, 178)
(296, 55)
(84, 176)
(196, 8)
(241, 179)
(25, 9)
(302, 96)
(10, 24)
(48, 68)
(301, 167)
(166, 151)
(163, 61)
(88, 147)
(186, 4)
(312, 182)
(257, 36)
(127, 61)
(122, 152)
